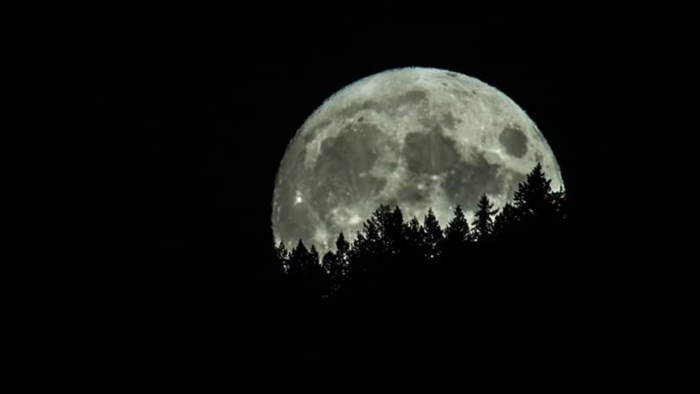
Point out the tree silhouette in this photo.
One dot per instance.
(299, 261)
(342, 248)
(559, 202)
(282, 256)
(534, 197)
(413, 231)
(336, 263)
(483, 221)
(390, 256)
(315, 277)
(540, 211)
(306, 270)
(505, 221)
(313, 255)
(396, 269)
(393, 234)
(456, 234)
(414, 237)
(433, 237)
(457, 229)
(368, 244)
(382, 235)
(303, 263)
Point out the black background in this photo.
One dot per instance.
(169, 125)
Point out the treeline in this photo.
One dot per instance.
(389, 248)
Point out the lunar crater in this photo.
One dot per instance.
(412, 97)
(429, 152)
(514, 140)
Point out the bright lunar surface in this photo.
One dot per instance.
(418, 138)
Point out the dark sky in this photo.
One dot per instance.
(169, 124)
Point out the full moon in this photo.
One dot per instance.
(417, 138)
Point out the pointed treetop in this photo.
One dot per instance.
(535, 198)
(483, 220)
(536, 183)
(397, 214)
(300, 246)
(341, 244)
(457, 229)
(281, 248)
(430, 218)
(432, 235)
(314, 253)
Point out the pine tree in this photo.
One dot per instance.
(341, 245)
(483, 221)
(316, 278)
(505, 221)
(433, 237)
(364, 248)
(299, 261)
(393, 233)
(456, 236)
(413, 248)
(358, 248)
(539, 210)
(382, 234)
(370, 243)
(342, 253)
(314, 258)
(457, 230)
(413, 233)
(336, 264)
(534, 197)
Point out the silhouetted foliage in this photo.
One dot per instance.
(559, 202)
(342, 248)
(432, 236)
(313, 254)
(332, 266)
(393, 233)
(299, 261)
(414, 245)
(414, 234)
(368, 244)
(505, 220)
(336, 263)
(483, 220)
(389, 250)
(417, 278)
(457, 231)
(317, 279)
(456, 234)
(535, 199)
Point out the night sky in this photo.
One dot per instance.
(170, 126)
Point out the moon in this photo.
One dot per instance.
(418, 138)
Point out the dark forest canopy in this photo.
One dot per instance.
(389, 245)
